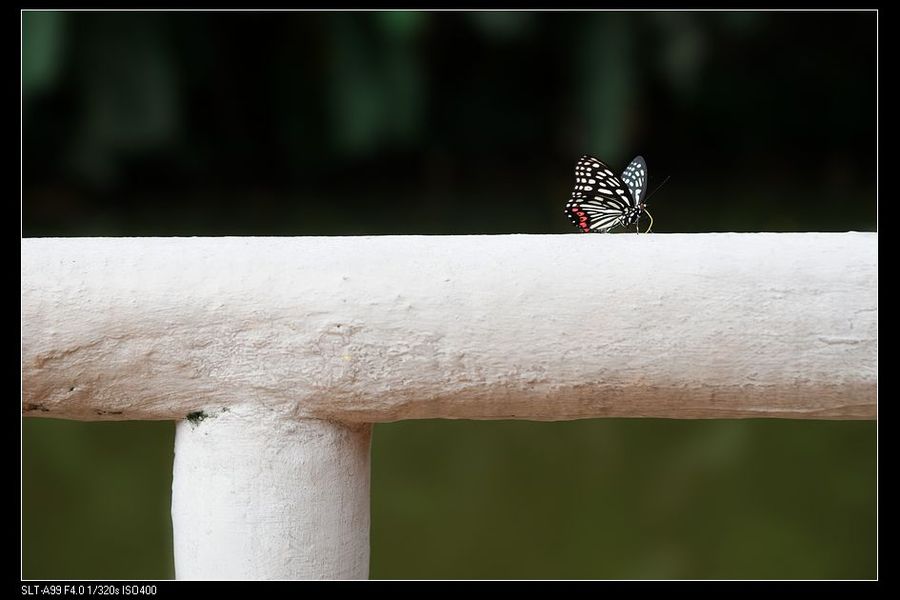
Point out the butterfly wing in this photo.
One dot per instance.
(635, 177)
(600, 200)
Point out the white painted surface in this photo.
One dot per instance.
(257, 496)
(369, 329)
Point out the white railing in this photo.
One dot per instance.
(276, 354)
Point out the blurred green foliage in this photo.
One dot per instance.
(311, 123)
(96, 499)
(628, 499)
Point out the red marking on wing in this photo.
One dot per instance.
(582, 218)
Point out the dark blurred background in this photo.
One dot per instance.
(309, 123)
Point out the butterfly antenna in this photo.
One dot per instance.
(657, 189)
(648, 197)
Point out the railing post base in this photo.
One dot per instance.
(259, 496)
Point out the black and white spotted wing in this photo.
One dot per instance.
(600, 199)
(635, 177)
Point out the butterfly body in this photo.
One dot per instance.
(601, 200)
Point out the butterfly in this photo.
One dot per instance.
(601, 201)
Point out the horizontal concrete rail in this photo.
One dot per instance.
(372, 329)
(276, 354)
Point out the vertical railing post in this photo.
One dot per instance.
(256, 495)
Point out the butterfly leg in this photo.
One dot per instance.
(651, 221)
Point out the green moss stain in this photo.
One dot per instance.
(196, 417)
